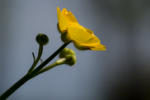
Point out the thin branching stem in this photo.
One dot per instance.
(37, 59)
(29, 76)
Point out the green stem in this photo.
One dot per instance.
(37, 59)
(28, 76)
(50, 58)
(58, 62)
(14, 87)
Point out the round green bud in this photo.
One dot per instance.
(70, 60)
(42, 39)
(66, 51)
(69, 55)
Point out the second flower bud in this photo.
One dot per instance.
(69, 55)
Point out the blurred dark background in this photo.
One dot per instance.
(120, 73)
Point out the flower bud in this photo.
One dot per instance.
(69, 55)
(42, 39)
(71, 59)
(66, 51)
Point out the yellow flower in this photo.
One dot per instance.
(71, 30)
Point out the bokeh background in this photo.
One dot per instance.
(120, 73)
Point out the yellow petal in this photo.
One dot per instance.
(84, 38)
(98, 47)
(69, 16)
(65, 19)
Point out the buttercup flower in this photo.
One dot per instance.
(71, 30)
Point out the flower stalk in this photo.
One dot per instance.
(30, 75)
(57, 63)
(37, 59)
